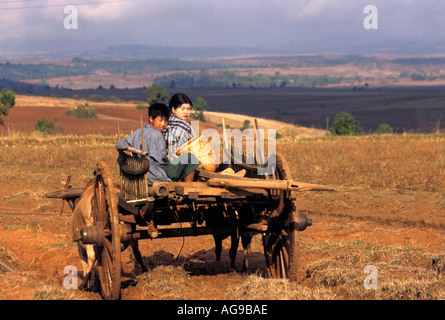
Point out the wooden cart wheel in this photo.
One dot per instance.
(280, 242)
(281, 250)
(106, 213)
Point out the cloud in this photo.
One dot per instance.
(322, 24)
(314, 8)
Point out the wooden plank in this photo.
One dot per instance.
(128, 218)
(203, 189)
(208, 175)
(206, 191)
(289, 185)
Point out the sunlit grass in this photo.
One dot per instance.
(402, 162)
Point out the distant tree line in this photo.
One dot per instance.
(421, 76)
(79, 66)
(227, 78)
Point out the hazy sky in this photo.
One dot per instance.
(289, 25)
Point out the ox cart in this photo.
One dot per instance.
(214, 204)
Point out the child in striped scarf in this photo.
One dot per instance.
(179, 130)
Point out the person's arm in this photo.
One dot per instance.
(132, 141)
(129, 144)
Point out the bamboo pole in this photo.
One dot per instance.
(142, 135)
(143, 183)
(259, 150)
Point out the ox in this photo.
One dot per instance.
(246, 239)
(245, 233)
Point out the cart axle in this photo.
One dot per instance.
(96, 234)
(91, 235)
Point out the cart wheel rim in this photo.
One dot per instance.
(109, 258)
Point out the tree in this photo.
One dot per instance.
(7, 101)
(345, 124)
(199, 106)
(156, 93)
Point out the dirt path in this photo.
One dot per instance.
(37, 246)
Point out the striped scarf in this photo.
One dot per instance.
(170, 133)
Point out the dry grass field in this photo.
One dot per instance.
(389, 212)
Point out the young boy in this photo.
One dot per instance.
(160, 169)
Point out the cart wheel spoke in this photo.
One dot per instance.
(283, 266)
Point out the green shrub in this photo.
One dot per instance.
(114, 99)
(83, 111)
(345, 124)
(96, 98)
(384, 128)
(45, 126)
(246, 125)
